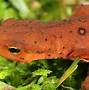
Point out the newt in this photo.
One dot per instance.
(29, 40)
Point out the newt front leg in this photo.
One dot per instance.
(82, 53)
(85, 84)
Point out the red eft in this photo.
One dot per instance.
(29, 40)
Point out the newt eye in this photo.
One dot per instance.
(14, 50)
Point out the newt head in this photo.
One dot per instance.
(22, 42)
(18, 43)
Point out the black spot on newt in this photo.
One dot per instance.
(60, 53)
(54, 36)
(70, 31)
(81, 31)
(4, 31)
(46, 39)
(60, 36)
(35, 41)
(63, 47)
(21, 58)
(49, 55)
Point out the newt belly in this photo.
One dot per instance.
(29, 40)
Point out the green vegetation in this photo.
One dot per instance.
(42, 74)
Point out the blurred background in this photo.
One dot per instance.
(45, 10)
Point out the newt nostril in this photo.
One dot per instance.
(14, 50)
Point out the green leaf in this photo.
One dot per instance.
(5, 73)
(50, 83)
(23, 88)
(69, 71)
(22, 7)
(35, 87)
(42, 72)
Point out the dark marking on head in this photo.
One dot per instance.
(81, 31)
(18, 60)
(21, 58)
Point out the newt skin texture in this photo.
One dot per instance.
(35, 40)
(40, 40)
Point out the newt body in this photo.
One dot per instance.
(40, 40)
(28, 40)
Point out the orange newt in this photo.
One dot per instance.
(29, 40)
